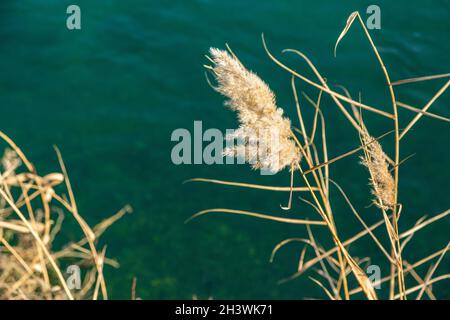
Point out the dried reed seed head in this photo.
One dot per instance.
(10, 160)
(264, 136)
(381, 180)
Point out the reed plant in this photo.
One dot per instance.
(305, 152)
(33, 264)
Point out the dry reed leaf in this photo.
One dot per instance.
(419, 79)
(348, 24)
(425, 113)
(431, 272)
(250, 185)
(256, 215)
(30, 265)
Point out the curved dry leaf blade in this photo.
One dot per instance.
(256, 215)
(431, 272)
(250, 185)
(358, 216)
(419, 79)
(423, 224)
(425, 113)
(420, 286)
(350, 20)
(285, 242)
(424, 109)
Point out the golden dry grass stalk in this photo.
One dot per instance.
(262, 125)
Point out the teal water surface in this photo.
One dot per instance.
(110, 95)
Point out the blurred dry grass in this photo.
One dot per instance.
(32, 210)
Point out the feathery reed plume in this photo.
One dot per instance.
(264, 138)
(381, 180)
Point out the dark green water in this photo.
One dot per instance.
(110, 95)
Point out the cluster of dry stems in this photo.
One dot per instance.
(31, 216)
(338, 270)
